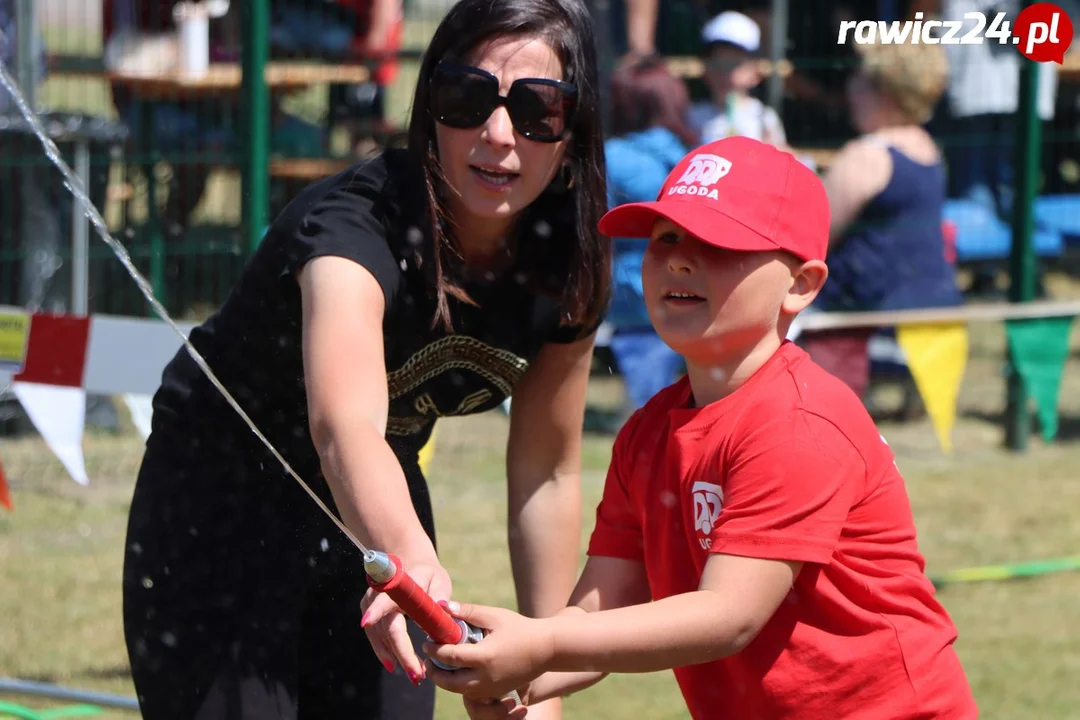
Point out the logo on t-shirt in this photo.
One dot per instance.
(701, 174)
(708, 501)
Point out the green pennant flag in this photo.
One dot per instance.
(1039, 348)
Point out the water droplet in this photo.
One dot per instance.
(542, 229)
(147, 583)
(489, 276)
(324, 544)
(404, 265)
(136, 549)
(520, 278)
(668, 499)
(717, 374)
(414, 236)
(168, 639)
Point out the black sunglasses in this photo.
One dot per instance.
(464, 97)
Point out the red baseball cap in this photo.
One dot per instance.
(739, 194)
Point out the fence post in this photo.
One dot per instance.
(27, 50)
(601, 19)
(777, 52)
(255, 122)
(1022, 270)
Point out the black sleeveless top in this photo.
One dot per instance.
(371, 214)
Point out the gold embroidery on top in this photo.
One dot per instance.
(425, 404)
(501, 368)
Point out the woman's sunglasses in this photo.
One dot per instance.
(464, 97)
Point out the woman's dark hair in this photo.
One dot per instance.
(585, 254)
(646, 95)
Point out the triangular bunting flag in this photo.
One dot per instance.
(427, 453)
(5, 493)
(937, 356)
(141, 408)
(58, 414)
(1039, 348)
(56, 352)
(50, 385)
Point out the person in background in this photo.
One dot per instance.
(732, 43)
(346, 31)
(183, 128)
(886, 188)
(650, 135)
(980, 126)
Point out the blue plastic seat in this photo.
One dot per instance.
(982, 236)
(1061, 214)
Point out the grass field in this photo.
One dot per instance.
(61, 551)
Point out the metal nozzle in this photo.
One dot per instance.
(378, 566)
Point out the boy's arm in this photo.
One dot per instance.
(735, 599)
(737, 596)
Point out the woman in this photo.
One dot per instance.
(428, 282)
(886, 192)
(651, 135)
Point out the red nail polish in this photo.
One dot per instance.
(364, 620)
(444, 605)
(388, 665)
(414, 678)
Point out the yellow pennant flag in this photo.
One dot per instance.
(426, 453)
(937, 355)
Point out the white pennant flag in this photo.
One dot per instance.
(58, 413)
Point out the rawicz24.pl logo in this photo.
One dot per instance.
(1042, 32)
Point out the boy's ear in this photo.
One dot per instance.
(806, 282)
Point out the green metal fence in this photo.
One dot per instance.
(191, 172)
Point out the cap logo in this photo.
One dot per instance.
(701, 174)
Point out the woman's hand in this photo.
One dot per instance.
(386, 626)
(514, 652)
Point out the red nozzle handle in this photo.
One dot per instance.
(417, 604)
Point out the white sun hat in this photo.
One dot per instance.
(733, 28)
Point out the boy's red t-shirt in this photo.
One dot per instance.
(789, 467)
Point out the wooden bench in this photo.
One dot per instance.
(308, 169)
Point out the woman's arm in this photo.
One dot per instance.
(345, 375)
(606, 583)
(859, 172)
(544, 476)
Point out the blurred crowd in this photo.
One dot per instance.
(917, 125)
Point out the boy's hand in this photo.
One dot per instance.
(515, 651)
(505, 709)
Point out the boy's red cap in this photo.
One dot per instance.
(739, 194)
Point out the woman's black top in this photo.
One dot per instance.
(372, 214)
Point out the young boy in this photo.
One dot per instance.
(754, 532)
(732, 41)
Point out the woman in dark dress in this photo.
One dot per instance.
(427, 282)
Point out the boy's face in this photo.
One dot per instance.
(730, 69)
(710, 304)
